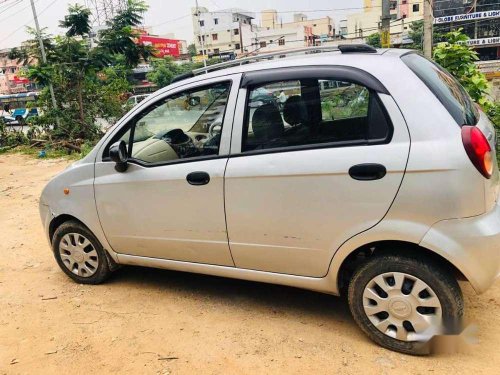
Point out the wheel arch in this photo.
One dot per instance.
(356, 257)
(57, 221)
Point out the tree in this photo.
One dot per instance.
(459, 59)
(77, 21)
(164, 70)
(374, 40)
(416, 34)
(89, 83)
(192, 50)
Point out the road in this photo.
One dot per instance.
(160, 322)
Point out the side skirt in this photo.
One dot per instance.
(323, 285)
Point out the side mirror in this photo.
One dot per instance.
(118, 154)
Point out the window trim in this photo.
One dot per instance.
(336, 72)
(313, 146)
(131, 124)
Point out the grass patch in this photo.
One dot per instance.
(50, 153)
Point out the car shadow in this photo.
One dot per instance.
(235, 293)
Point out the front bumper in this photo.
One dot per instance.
(46, 217)
(471, 244)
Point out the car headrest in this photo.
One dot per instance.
(267, 123)
(295, 111)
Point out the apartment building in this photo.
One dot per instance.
(222, 32)
(367, 21)
(320, 27)
(11, 81)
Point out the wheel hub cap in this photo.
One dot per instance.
(78, 254)
(401, 305)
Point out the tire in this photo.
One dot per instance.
(403, 308)
(93, 265)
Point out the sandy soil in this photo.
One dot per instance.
(152, 321)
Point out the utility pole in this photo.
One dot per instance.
(428, 23)
(202, 42)
(44, 56)
(385, 35)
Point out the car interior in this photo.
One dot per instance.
(182, 126)
(316, 111)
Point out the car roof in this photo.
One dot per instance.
(323, 58)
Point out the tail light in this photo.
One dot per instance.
(478, 149)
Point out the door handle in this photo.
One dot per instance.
(198, 178)
(367, 171)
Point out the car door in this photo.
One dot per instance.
(169, 203)
(305, 176)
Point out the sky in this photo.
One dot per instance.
(167, 16)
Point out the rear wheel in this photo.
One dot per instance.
(79, 254)
(399, 301)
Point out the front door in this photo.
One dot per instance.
(316, 160)
(169, 203)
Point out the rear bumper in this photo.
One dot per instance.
(471, 244)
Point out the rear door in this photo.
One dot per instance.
(305, 176)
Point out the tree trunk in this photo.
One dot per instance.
(80, 102)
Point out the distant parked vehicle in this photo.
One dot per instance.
(136, 99)
(22, 114)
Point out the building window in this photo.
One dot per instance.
(263, 44)
(216, 21)
(393, 5)
(202, 23)
(416, 7)
(216, 51)
(236, 31)
(314, 25)
(237, 46)
(215, 37)
(394, 16)
(281, 42)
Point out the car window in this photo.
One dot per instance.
(312, 112)
(445, 87)
(185, 125)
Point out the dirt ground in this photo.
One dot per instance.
(161, 322)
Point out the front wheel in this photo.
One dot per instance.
(399, 301)
(79, 253)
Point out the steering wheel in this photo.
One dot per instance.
(214, 129)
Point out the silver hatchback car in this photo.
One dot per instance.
(353, 171)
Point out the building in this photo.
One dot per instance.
(320, 27)
(367, 22)
(11, 80)
(223, 32)
(480, 21)
(270, 40)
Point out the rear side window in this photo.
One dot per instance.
(445, 87)
(313, 112)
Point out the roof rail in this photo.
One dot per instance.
(344, 48)
(265, 56)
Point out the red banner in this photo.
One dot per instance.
(164, 47)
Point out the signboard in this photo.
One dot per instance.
(483, 41)
(164, 47)
(468, 17)
(199, 58)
